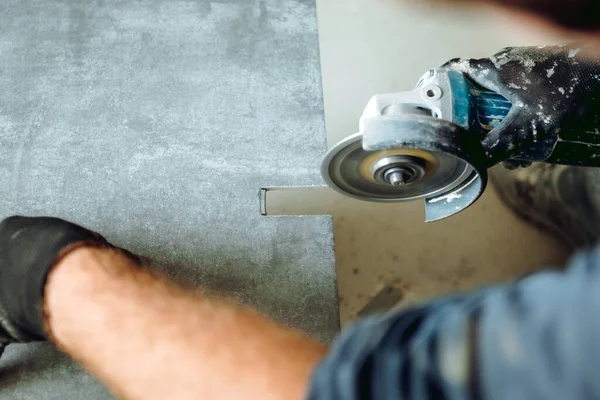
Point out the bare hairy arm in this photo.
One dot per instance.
(148, 339)
(575, 19)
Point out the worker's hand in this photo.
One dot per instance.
(555, 92)
(29, 248)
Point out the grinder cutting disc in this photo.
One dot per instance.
(407, 157)
(391, 175)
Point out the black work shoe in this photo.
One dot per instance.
(562, 200)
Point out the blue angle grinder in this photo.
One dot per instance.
(436, 143)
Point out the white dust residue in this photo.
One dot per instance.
(534, 130)
(501, 60)
(476, 73)
(449, 198)
(573, 52)
(463, 65)
(550, 72)
(513, 86)
(561, 90)
(525, 78)
(545, 118)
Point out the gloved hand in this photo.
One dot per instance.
(555, 91)
(29, 248)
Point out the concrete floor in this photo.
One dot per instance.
(376, 46)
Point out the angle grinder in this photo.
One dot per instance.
(433, 143)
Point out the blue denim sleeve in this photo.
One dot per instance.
(538, 338)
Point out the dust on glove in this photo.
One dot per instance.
(555, 92)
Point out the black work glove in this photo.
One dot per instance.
(555, 92)
(29, 248)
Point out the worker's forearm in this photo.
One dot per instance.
(147, 339)
(577, 14)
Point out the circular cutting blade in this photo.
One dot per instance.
(357, 173)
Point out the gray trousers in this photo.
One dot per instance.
(562, 200)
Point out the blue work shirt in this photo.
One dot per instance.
(537, 338)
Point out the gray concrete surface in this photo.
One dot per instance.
(156, 123)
